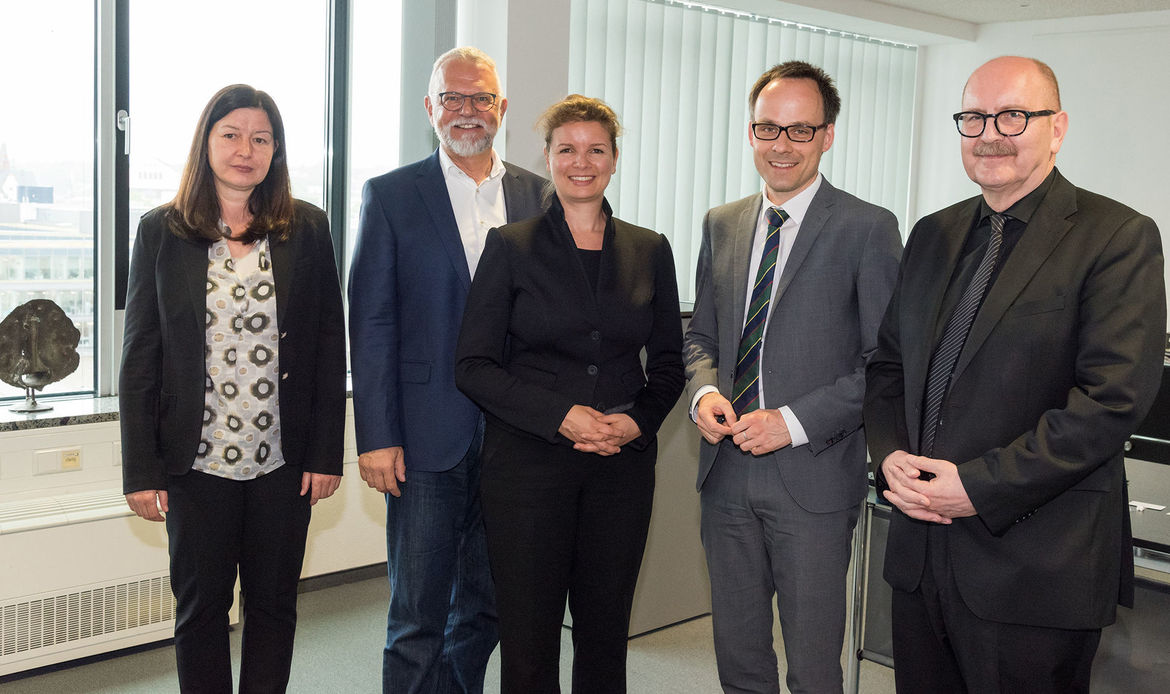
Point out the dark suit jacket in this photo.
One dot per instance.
(537, 339)
(1059, 368)
(408, 284)
(824, 319)
(161, 384)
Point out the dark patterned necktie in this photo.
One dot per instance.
(946, 353)
(745, 393)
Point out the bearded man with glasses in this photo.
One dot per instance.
(1022, 347)
(422, 230)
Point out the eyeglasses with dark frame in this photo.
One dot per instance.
(797, 133)
(453, 101)
(1009, 123)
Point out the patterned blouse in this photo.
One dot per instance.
(241, 415)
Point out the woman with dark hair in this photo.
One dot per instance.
(232, 389)
(559, 311)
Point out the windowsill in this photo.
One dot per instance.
(80, 409)
(66, 411)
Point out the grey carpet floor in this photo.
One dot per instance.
(339, 649)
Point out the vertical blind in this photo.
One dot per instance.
(678, 75)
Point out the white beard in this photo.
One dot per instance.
(465, 147)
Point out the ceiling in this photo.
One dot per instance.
(987, 11)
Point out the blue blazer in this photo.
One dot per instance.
(408, 285)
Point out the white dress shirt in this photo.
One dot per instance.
(477, 206)
(796, 208)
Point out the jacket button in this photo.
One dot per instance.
(595, 336)
(592, 370)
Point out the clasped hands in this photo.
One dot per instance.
(595, 432)
(936, 500)
(756, 432)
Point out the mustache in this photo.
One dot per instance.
(998, 148)
(464, 121)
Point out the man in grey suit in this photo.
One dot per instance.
(792, 285)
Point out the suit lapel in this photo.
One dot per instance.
(578, 287)
(432, 188)
(818, 213)
(744, 231)
(513, 205)
(193, 261)
(283, 258)
(1045, 230)
(943, 244)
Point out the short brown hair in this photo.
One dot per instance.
(575, 108)
(800, 70)
(194, 213)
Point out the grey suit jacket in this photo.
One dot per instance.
(823, 326)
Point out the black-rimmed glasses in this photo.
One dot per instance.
(796, 133)
(453, 101)
(1008, 123)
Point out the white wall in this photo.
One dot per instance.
(529, 40)
(1112, 73)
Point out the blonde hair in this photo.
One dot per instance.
(576, 108)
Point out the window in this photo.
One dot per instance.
(374, 102)
(46, 169)
(275, 46)
(678, 75)
(162, 62)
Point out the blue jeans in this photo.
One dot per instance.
(442, 624)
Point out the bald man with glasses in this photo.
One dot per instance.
(1022, 347)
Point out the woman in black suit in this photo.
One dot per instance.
(232, 389)
(559, 310)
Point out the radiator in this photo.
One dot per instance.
(79, 576)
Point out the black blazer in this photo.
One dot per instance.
(161, 385)
(1062, 362)
(536, 338)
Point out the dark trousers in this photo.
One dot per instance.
(559, 523)
(941, 646)
(441, 628)
(216, 525)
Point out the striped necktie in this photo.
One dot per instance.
(946, 353)
(746, 390)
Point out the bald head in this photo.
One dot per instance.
(1008, 167)
(1015, 67)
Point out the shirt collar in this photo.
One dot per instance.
(797, 205)
(1025, 207)
(450, 169)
